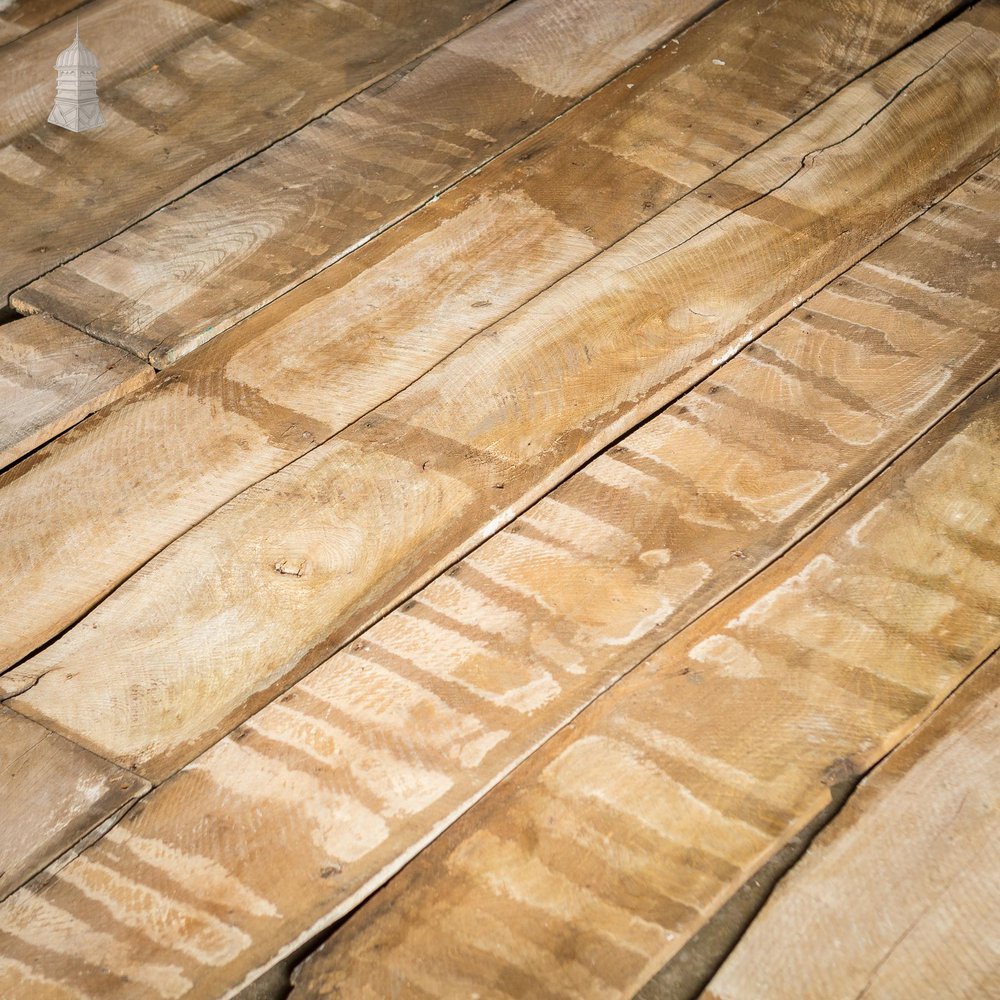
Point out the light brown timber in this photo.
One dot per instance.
(52, 793)
(593, 863)
(51, 377)
(275, 581)
(18, 17)
(324, 793)
(321, 356)
(189, 272)
(899, 896)
(187, 89)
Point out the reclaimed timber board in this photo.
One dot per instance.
(53, 793)
(187, 89)
(190, 271)
(594, 862)
(899, 896)
(322, 795)
(51, 377)
(18, 17)
(319, 358)
(268, 586)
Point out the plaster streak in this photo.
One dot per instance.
(39, 924)
(757, 613)
(205, 938)
(735, 659)
(180, 866)
(628, 783)
(523, 878)
(339, 826)
(581, 531)
(521, 686)
(469, 606)
(403, 788)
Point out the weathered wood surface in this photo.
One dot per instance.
(187, 89)
(17, 17)
(52, 793)
(899, 896)
(51, 377)
(369, 757)
(600, 856)
(262, 591)
(299, 370)
(189, 272)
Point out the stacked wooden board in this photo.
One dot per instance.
(540, 472)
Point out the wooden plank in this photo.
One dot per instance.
(298, 371)
(374, 753)
(897, 897)
(262, 591)
(597, 859)
(51, 377)
(17, 17)
(191, 271)
(187, 90)
(53, 794)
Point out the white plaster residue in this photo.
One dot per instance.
(339, 826)
(32, 982)
(474, 752)
(577, 529)
(735, 349)
(734, 658)
(620, 776)
(903, 278)
(90, 787)
(403, 786)
(374, 696)
(757, 612)
(609, 471)
(212, 878)
(857, 529)
(558, 653)
(37, 922)
(644, 625)
(475, 133)
(473, 666)
(690, 754)
(205, 938)
(467, 605)
(656, 557)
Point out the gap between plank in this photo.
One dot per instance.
(208, 180)
(318, 443)
(706, 955)
(772, 870)
(313, 937)
(405, 71)
(401, 73)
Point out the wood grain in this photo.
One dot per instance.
(53, 794)
(322, 356)
(18, 17)
(271, 584)
(189, 272)
(600, 856)
(325, 793)
(51, 377)
(897, 896)
(187, 90)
